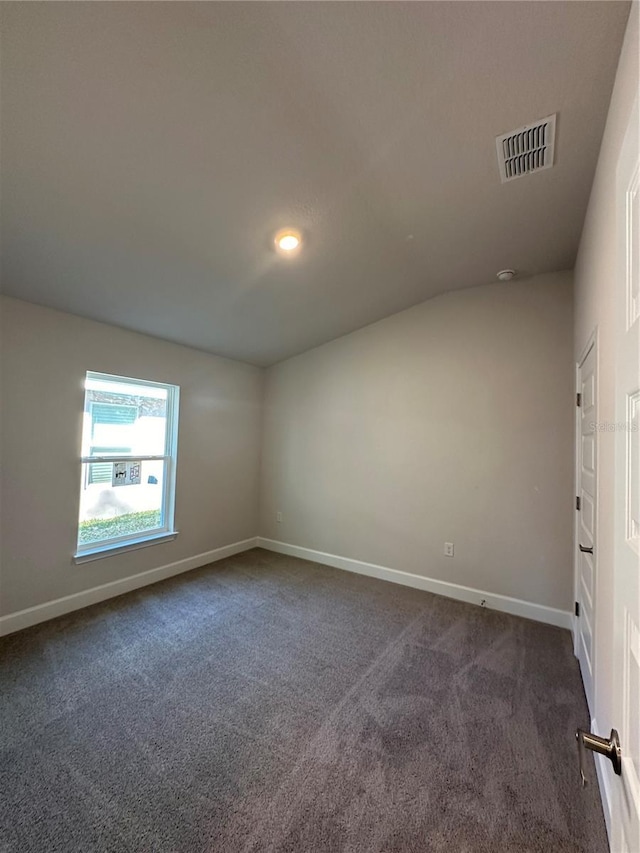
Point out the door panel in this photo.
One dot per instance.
(587, 519)
(633, 473)
(586, 641)
(586, 578)
(626, 623)
(586, 525)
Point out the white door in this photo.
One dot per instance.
(625, 824)
(586, 517)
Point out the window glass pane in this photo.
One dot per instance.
(127, 420)
(111, 511)
(124, 418)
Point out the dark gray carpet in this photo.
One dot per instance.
(268, 704)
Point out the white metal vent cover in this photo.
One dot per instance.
(526, 150)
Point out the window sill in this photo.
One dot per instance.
(121, 548)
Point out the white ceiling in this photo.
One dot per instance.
(150, 151)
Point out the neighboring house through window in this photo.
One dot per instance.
(129, 444)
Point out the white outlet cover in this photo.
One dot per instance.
(448, 549)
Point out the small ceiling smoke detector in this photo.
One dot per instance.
(506, 275)
(527, 149)
(288, 241)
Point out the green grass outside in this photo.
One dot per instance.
(97, 529)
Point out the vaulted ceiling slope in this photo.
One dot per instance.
(151, 150)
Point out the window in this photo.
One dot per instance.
(129, 442)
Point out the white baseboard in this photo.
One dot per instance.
(50, 609)
(515, 606)
(603, 783)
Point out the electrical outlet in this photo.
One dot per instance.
(278, 517)
(448, 549)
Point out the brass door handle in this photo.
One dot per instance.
(585, 550)
(609, 747)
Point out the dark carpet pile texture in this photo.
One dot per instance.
(265, 703)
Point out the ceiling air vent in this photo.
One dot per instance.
(526, 150)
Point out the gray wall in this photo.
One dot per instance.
(450, 421)
(595, 308)
(45, 355)
(453, 421)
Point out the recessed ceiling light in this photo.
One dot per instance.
(506, 275)
(288, 241)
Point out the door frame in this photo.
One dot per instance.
(592, 342)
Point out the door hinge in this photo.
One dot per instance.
(578, 399)
(576, 608)
(578, 504)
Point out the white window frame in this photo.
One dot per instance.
(120, 544)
